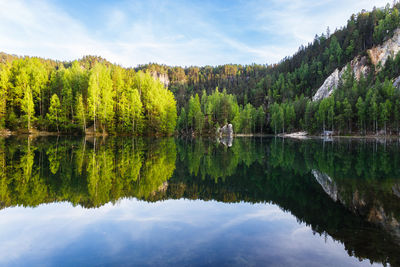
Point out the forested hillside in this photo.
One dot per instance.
(284, 91)
(92, 95)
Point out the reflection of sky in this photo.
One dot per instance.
(171, 232)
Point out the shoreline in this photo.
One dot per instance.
(7, 133)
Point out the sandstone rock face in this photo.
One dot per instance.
(378, 55)
(162, 77)
(360, 69)
(389, 48)
(328, 87)
(396, 82)
(227, 130)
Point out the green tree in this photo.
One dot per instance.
(182, 120)
(54, 111)
(289, 116)
(260, 118)
(348, 113)
(396, 113)
(373, 111)
(100, 97)
(322, 112)
(81, 112)
(361, 113)
(195, 116)
(4, 85)
(277, 117)
(385, 108)
(28, 107)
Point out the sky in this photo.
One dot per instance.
(172, 32)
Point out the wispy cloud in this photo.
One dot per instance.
(169, 32)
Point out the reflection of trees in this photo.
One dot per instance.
(209, 158)
(81, 172)
(362, 177)
(158, 167)
(280, 172)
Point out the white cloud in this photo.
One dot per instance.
(171, 32)
(299, 21)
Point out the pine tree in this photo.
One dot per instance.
(28, 107)
(81, 112)
(54, 111)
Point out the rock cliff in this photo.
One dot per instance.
(329, 85)
(378, 56)
(359, 66)
(227, 130)
(389, 48)
(162, 77)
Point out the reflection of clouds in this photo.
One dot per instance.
(35, 229)
(169, 232)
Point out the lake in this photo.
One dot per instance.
(67, 201)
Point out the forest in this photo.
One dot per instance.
(284, 91)
(92, 95)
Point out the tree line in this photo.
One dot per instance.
(206, 114)
(284, 91)
(90, 93)
(96, 96)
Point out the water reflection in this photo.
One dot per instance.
(85, 172)
(345, 189)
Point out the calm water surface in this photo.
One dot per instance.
(166, 202)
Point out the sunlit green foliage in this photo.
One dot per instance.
(54, 111)
(99, 97)
(73, 97)
(217, 110)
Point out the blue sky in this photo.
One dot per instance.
(170, 32)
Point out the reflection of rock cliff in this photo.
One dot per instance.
(369, 206)
(327, 184)
(226, 141)
(396, 190)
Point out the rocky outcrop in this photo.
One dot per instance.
(378, 55)
(162, 77)
(327, 88)
(227, 130)
(389, 48)
(296, 135)
(359, 67)
(396, 82)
